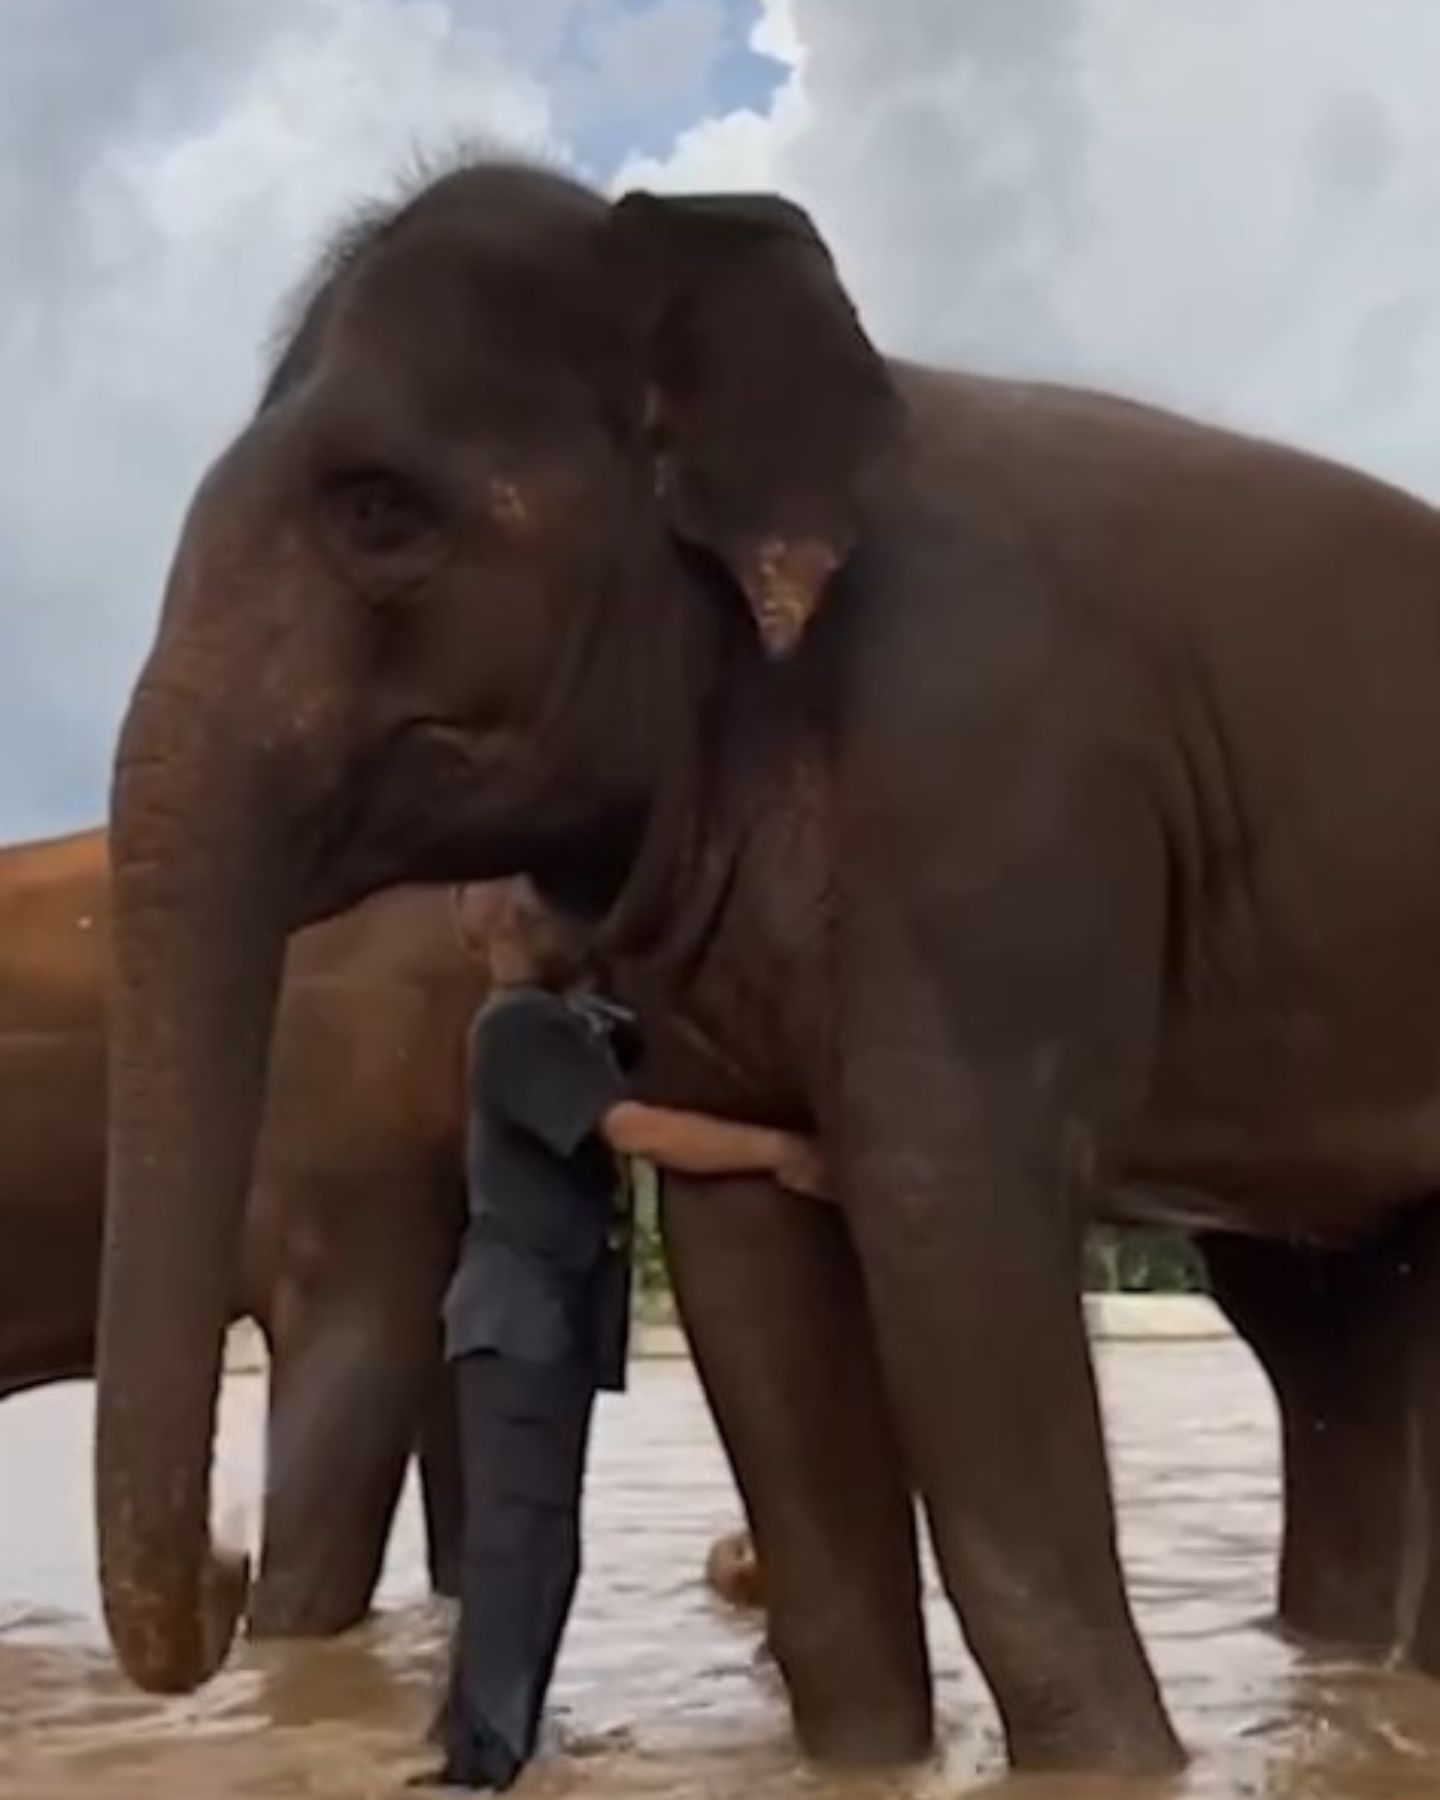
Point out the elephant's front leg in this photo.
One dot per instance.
(772, 1303)
(983, 1340)
(347, 1389)
(996, 1022)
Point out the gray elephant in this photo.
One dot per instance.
(1027, 790)
(351, 1225)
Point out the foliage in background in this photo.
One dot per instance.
(1116, 1262)
(1141, 1262)
(652, 1286)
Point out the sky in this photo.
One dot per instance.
(1232, 206)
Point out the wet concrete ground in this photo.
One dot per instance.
(660, 1693)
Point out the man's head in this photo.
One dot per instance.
(528, 945)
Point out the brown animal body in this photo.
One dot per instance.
(352, 1221)
(1034, 793)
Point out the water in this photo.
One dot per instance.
(660, 1692)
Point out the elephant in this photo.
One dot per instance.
(352, 1219)
(932, 757)
(732, 1571)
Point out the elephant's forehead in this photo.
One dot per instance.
(462, 361)
(447, 295)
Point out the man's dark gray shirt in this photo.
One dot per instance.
(541, 1274)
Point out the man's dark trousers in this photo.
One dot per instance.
(524, 1429)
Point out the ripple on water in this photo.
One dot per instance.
(661, 1692)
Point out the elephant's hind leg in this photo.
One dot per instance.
(347, 1394)
(1331, 1331)
(773, 1305)
(1420, 1598)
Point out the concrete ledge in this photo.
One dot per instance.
(245, 1352)
(1117, 1317)
(659, 1343)
(245, 1347)
(1112, 1318)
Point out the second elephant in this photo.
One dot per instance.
(353, 1217)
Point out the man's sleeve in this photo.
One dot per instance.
(543, 1070)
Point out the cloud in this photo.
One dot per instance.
(653, 64)
(166, 170)
(1231, 207)
(169, 169)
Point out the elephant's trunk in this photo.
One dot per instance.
(201, 893)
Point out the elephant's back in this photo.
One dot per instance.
(372, 1022)
(54, 936)
(1176, 525)
(368, 1055)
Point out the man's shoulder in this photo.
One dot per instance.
(518, 1009)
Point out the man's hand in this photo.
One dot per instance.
(800, 1169)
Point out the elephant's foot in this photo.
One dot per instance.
(1096, 1743)
(867, 1746)
(1360, 1621)
(1422, 1653)
(281, 1609)
(851, 1652)
(878, 1734)
(1344, 1572)
(1075, 1699)
(732, 1570)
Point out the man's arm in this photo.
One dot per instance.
(697, 1144)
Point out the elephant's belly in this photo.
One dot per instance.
(1304, 1101)
(1328, 1176)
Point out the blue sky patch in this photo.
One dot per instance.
(627, 77)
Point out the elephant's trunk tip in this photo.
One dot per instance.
(152, 1654)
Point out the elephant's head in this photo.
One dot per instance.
(536, 481)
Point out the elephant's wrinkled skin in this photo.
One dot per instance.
(350, 1230)
(1036, 792)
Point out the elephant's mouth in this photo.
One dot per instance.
(436, 802)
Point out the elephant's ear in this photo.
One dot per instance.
(768, 410)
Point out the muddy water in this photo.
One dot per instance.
(660, 1692)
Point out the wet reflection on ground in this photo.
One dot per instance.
(660, 1692)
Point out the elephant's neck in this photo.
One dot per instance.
(677, 875)
(731, 980)
(718, 724)
(708, 802)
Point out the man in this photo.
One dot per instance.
(536, 1318)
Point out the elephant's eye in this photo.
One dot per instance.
(380, 513)
(384, 531)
